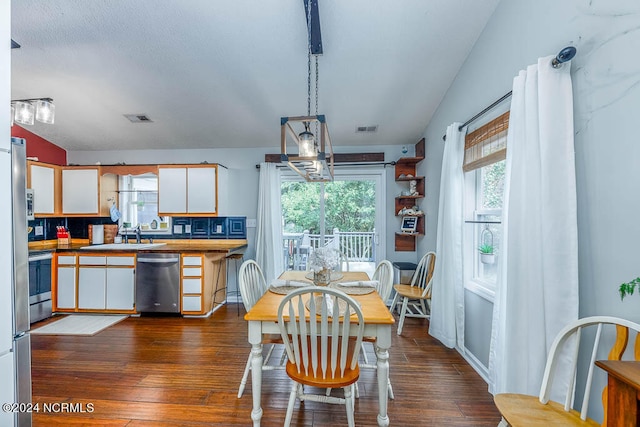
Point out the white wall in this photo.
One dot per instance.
(243, 179)
(606, 83)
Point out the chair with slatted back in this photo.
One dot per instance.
(416, 297)
(531, 411)
(384, 276)
(322, 350)
(252, 286)
(343, 264)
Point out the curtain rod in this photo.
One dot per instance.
(564, 55)
(385, 164)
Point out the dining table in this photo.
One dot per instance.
(263, 320)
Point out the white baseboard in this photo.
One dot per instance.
(476, 364)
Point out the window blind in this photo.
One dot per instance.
(487, 144)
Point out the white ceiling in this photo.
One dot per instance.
(215, 73)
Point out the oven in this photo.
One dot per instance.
(40, 285)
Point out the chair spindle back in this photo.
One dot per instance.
(325, 333)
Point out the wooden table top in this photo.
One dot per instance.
(627, 371)
(373, 308)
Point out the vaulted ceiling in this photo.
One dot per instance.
(212, 73)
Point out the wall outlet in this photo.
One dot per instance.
(251, 223)
(187, 228)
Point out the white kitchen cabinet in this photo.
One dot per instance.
(106, 282)
(172, 190)
(42, 180)
(92, 286)
(80, 188)
(201, 190)
(187, 190)
(66, 287)
(192, 303)
(192, 280)
(120, 288)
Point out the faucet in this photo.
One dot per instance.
(138, 234)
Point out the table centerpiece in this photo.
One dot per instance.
(321, 262)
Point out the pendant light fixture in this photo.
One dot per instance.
(26, 111)
(314, 161)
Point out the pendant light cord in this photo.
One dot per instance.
(306, 124)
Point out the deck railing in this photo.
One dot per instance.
(357, 246)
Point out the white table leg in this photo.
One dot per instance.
(383, 343)
(255, 339)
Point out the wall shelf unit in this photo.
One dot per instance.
(405, 203)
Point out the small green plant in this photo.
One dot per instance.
(485, 249)
(628, 288)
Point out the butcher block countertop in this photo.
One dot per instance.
(175, 245)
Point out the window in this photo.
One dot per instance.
(485, 153)
(345, 212)
(489, 181)
(139, 203)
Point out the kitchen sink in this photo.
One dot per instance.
(124, 246)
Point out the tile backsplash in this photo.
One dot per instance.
(189, 227)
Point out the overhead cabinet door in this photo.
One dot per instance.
(80, 191)
(43, 186)
(201, 190)
(172, 190)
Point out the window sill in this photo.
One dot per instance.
(481, 290)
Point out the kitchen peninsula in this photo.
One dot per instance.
(91, 279)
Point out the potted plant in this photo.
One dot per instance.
(486, 254)
(628, 288)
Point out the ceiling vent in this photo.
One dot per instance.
(138, 118)
(367, 129)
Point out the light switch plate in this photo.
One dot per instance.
(251, 223)
(187, 228)
(177, 229)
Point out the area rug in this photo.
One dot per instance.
(78, 324)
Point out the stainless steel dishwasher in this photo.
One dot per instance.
(158, 283)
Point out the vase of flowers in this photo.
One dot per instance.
(321, 262)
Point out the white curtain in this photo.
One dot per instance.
(537, 288)
(269, 223)
(447, 295)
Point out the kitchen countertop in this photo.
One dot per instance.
(210, 245)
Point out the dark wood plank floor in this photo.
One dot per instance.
(168, 371)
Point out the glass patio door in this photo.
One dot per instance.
(346, 213)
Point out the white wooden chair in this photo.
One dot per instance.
(252, 286)
(322, 351)
(384, 276)
(533, 411)
(343, 264)
(416, 297)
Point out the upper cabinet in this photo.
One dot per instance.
(85, 192)
(44, 180)
(187, 190)
(80, 191)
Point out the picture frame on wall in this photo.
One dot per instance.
(409, 224)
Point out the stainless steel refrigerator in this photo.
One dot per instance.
(18, 254)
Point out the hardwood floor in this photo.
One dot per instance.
(169, 371)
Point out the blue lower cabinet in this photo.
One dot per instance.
(237, 227)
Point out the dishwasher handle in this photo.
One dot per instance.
(158, 260)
